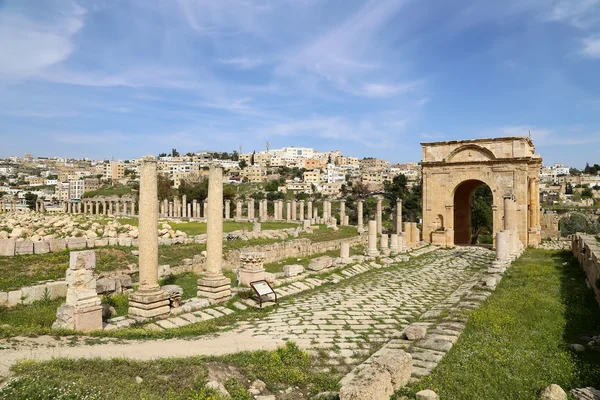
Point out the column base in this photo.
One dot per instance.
(215, 288)
(373, 253)
(535, 238)
(246, 276)
(88, 319)
(144, 305)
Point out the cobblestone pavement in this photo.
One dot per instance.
(345, 319)
(348, 318)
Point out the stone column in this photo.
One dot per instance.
(342, 213)
(301, 203)
(260, 210)
(398, 216)
(238, 209)
(189, 210)
(359, 216)
(294, 206)
(110, 208)
(214, 285)
(266, 209)
(194, 209)
(184, 206)
(288, 214)
(394, 243)
(149, 301)
(372, 246)
(37, 206)
(326, 214)
(385, 244)
(378, 215)
(205, 208)
(415, 232)
(407, 235)
(251, 209)
(170, 209)
(345, 251)
(309, 209)
(227, 209)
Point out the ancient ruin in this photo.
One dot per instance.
(453, 170)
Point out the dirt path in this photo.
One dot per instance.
(46, 348)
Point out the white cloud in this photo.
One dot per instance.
(591, 47)
(384, 90)
(30, 46)
(242, 62)
(579, 13)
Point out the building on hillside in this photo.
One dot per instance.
(91, 184)
(114, 170)
(35, 181)
(373, 164)
(335, 173)
(301, 187)
(331, 189)
(76, 189)
(314, 163)
(313, 176)
(189, 176)
(255, 173)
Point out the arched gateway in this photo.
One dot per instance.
(451, 172)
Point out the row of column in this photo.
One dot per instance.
(98, 207)
(8, 205)
(508, 243)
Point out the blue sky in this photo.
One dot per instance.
(125, 78)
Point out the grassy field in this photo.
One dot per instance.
(19, 271)
(516, 344)
(172, 379)
(304, 261)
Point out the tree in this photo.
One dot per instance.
(164, 187)
(162, 155)
(174, 153)
(235, 156)
(31, 199)
(568, 189)
(587, 193)
(252, 158)
(243, 164)
(195, 190)
(481, 212)
(396, 189)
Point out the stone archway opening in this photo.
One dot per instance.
(472, 212)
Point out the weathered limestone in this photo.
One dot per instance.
(301, 211)
(309, 209)
(378, 215)
(292, 270)
(149, 301)
(398, 217)
(408, 235)
(251, 209)
(215, 286)
(238, 209)
(252, 268)
(385, 244)
(82, 310)
(288, 213)
(345, 251)
(326, 214)
(553, 392)
(372, 244)
(342, 213)
(294, 207)
(320, 263)
(394, 244)
(415, 233)
(227, 209)
(453, 170)
(359, 216)
(427, 394)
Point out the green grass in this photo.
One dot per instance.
(171, 378)
(188, 282)
(304, 261)
(516, 344)
(19, 271)
(199, 228)
(324, 234)
(31, 316)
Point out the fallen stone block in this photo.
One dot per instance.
(553, 392)
(368, 384)
(320, 263)
(76, 243)
(57, 245)
(57, 289)
(42, 247)
(398, 364)
(3, 299)
(105, 285)
(14, 297)
(292, 270)
(7, 247)
(427, 395)
(125, 242)
(33, 293)
(415, 332)
(24, 247)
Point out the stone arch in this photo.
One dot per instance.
(462, 203)
(471, 152)
(508, 166)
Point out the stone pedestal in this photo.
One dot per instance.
(215, 288)
(394, 243)
(147, 304)
(385, 244)
(372, 244)
(345, 251)
(251, 269)
(82, 310)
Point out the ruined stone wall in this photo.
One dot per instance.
(587, 250)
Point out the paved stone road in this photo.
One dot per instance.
(375, 306)
(344, 319)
